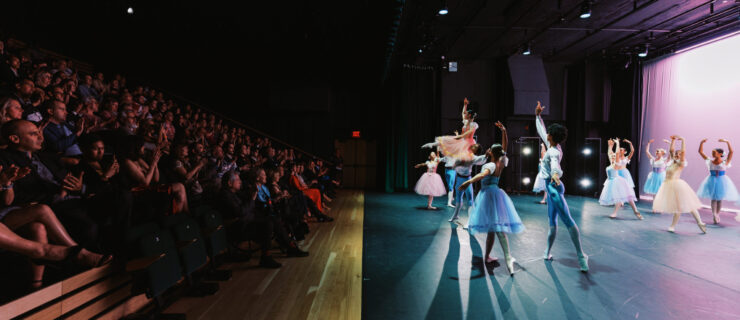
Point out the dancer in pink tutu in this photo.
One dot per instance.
(458, 146)
(675, 195)
(430, 184)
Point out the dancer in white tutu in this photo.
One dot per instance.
(657, 173)
(622, 160)
(458, 146)
(717, 186)
(675, 195)
(494, 212)
(540, 180)
(430, 184)
(616, 190)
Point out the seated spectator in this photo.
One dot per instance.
(86, 89)
(142, 176)
(296, 180)
(254, 219)
(60, 136)
(40, 223)
(10, 74)
(10, 109)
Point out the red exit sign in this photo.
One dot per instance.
(355, 134)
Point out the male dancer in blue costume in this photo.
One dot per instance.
(556, 205)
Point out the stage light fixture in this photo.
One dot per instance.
(443, 11)
(526, 181)
(130, 10)
(526, 151)
(527, 50)
(585, 10)
(586, 151)
(420, 50)
(643, 53)
(585, 182)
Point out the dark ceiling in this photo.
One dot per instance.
(220, 53)
(480, 29)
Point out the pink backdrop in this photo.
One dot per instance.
(695, 94)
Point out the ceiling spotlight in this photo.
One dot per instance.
(526, 181)
(527, 50)
(443, 11)
(420, 50)
(585, 10)
(585, 182)
(643, 53)
(130, 10)
(526, 151)
(586, 151)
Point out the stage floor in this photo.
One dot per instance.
(416, 265)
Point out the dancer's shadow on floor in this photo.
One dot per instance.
(424, 208)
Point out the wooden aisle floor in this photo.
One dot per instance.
(325, 285)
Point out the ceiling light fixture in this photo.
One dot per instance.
(585, 10)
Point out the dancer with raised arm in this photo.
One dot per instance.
(494, 212)
(657, 173)
(622, 160)
(675, 195)
(430, 183)
(539, 181)
(458, 146)
(616, 190)
(717, 186)
(554, 135)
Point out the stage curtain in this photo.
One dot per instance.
(413, 119)
(693, 94)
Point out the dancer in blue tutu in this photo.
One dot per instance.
(616, 190)
(494, 212)
(657, 173)
(717, 186)
(623, 159)
(556, 204)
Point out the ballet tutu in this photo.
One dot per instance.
(718, 188)
(654, 180)
(624, 173)
(494, 212)
(616, 190)
(539, 185)
(430, 184)
(456, 148)
(450, 175)
(675, 196)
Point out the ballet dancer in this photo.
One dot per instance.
(450, 177)
(494, 212)
(657, 174)
(539, 181)
(553, 135)
(458, 146)
(430, 183)
(717, 186)
(463, 170)
(675, 195)
(623, 159)
(616, 190)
